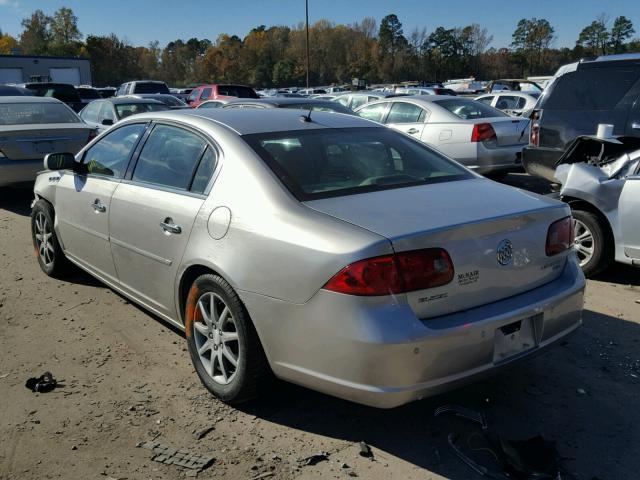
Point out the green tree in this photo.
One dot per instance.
(595, 37)
(530, 42)
(392, 47)
(36, 34)
(621, 31)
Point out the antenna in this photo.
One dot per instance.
(306, 118)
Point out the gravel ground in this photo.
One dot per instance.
(128, 379)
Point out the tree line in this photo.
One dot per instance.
(275, 56)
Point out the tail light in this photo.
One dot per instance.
(483, 132)
(92, 134)
(534, 131)
(393, 274)
(560, 236)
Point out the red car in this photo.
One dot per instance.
(214, 92)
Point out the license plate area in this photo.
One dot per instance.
(44, 147)
(516, 338)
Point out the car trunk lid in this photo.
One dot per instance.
(510, 131)
(28, 142)
(474, 220)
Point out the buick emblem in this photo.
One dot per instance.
(504, 252)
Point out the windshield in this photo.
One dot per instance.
(124, 110)
(36, 113)
(88, 93)
(330, 162)
(470, 109)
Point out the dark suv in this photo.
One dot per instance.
(62, 91)
(604, 90)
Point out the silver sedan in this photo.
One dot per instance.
(322, 248)
(472, 133)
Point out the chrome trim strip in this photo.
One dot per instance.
(139, 251)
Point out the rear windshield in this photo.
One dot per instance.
(330, 162)
(64, 93)
(88, 93)
(36, 113)
(237, 91)
(591, 89)
(124, 110)
(150, 87)
(470, 109)
(319, 107)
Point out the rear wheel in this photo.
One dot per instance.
(591, 244)
(222, 341)
(45, 242)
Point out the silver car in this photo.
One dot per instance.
(511, 103)
(324, 248)
(31, 127)
(472, 133)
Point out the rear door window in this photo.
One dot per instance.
(374, 112)
(110, 155)
(206, 93)
(169, 157)
(91, 111)
(591, 89)
(469, 109)
(486, 100)
(402, 112)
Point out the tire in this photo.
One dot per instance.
(593, 245)
(50, 256)
(211, 354)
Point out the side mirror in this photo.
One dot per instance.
(60, 161)
(107, 122)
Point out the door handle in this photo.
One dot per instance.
(98, 206)
(412, 131)
(170, 227)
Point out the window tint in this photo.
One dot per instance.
(206, 93)
(193, 96)
(110, 155)
(124, 110)
(324, 163)
(63, 92)
(373, 112)
(402, 112)
(90, 112)
(205, 170)
(237, 91)
(30, 113)
(469, 109)
(150, 87)
(169, 157)
(486, 100)
(591, 89)
(88, 93)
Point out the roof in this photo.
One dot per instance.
(280, 101)
(129, 100)
(28, 99)
(267, 120)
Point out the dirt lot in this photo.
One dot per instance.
(128, 378)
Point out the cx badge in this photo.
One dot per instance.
(504, 252)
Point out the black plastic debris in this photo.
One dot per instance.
(182, 458)
(313, 459)
(42, 384)
(365, 450)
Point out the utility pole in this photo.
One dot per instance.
(306, 4)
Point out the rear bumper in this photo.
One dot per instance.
(541, 162)
(499, 159)
(376, 352)
(18, 171)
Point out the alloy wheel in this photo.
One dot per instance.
(44, 241)
(583, 243)
(216, 338)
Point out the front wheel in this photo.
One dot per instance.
(222, 341)
(594, 252)
(45, 241)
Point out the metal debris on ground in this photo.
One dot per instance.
(313, 459)
(365, 450)
(44, 383)
(463, 412)
(182, 458)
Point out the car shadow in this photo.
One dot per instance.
(528, 182)
(17, 199)
(621, 274)
(582, 395)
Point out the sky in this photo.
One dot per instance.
(142, 21)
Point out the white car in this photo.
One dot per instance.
(513, 103)
(473, 133)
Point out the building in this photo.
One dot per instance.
(23, 69)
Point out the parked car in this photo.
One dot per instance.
(354, 100)
(214, 103)
(600, 180)
(425, 91)
(181, 93)
(62, 91)
(87, 93)
(476, 135)
(512, 103)
(216, 92)
(101, 114)
(107, 92)
(13, 91)
(170, 101)
(31, 127)
(309, 104)
(142, 86)
(581, 96)
(513, 85)
(336, 253)
(311, 91)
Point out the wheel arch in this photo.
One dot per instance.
(579, 204)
